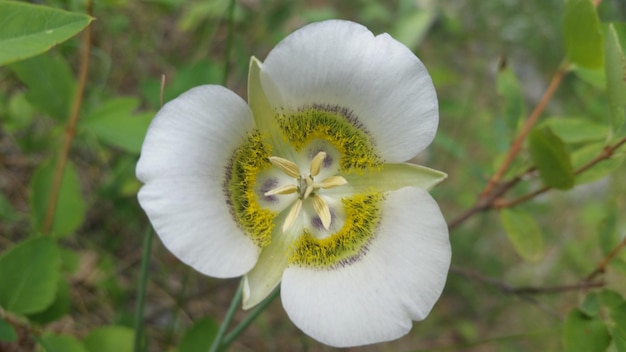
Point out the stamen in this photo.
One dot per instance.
(310, 187)
(286, 189)
(286, 166)
(331, 182)
(322, 210)
(293, 214)
(316, 163)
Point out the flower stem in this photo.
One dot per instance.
(249, 319)
(215, 346)
(141, 290)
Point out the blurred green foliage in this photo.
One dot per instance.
(71, 285)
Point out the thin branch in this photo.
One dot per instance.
(70, 129)
(601, 267)
(605, 154)
(528, 125)
(526, 290)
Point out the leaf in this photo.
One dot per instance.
(591, 305)
(610, 298)
(618, 315)
(200, 336)
(576, 130)
(7, 331)
(115, 124)
(551, 159)
(110, 339)
(28, 30)
(583, 37)
(524, 234)
(509, 88)
(615, 67)
(29, 273)
(50, 83)
(584, 334)
(603, 168)
(607, 229)
(70, 210)
(61, 343)
(410, 30)
(59, 307)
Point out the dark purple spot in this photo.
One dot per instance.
(316, 222)
(269, 185)
(328, 160)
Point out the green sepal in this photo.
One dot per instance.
(392, 177)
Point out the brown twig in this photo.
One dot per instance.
(605, 154)
(601, 267)
(528, 125)
(70, 129)
(526, 290)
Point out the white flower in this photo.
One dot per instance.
(306, 186)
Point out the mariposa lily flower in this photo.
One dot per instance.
(306, 186)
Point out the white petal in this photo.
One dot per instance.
(375, 298)
(341, 63)
(183, 165)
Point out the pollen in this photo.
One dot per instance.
(363, 214)
(246, 163)
(337, 126)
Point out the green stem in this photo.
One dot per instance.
(232, 336)
(141, 290)
(229, 40)
(228, 318)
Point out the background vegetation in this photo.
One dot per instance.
(538, 258)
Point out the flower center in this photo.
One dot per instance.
(306, 188)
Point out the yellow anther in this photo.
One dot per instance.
(333, 181)
(293, 215)
(286, 189)
(316, 163)
(286, 166)
(322, 210)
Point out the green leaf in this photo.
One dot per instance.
(115, 124)
(70, 210)
(583, 37)
(110, 339)
(615, 67)
(51, 84)
(610, 298)
(28, 30)
(595, 77)
(61, 343)
(29, 273)
(410, 30)
(551, 158)
(618, 315)
(509, 88)
(7, 331)
(199, 336)
(524, 233)
(59, 307)
(591, 305)
(607, 230)
(603, 168)
(576, 130)
(584, 334)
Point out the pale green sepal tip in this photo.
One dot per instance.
(395, 176)
(263, 113)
